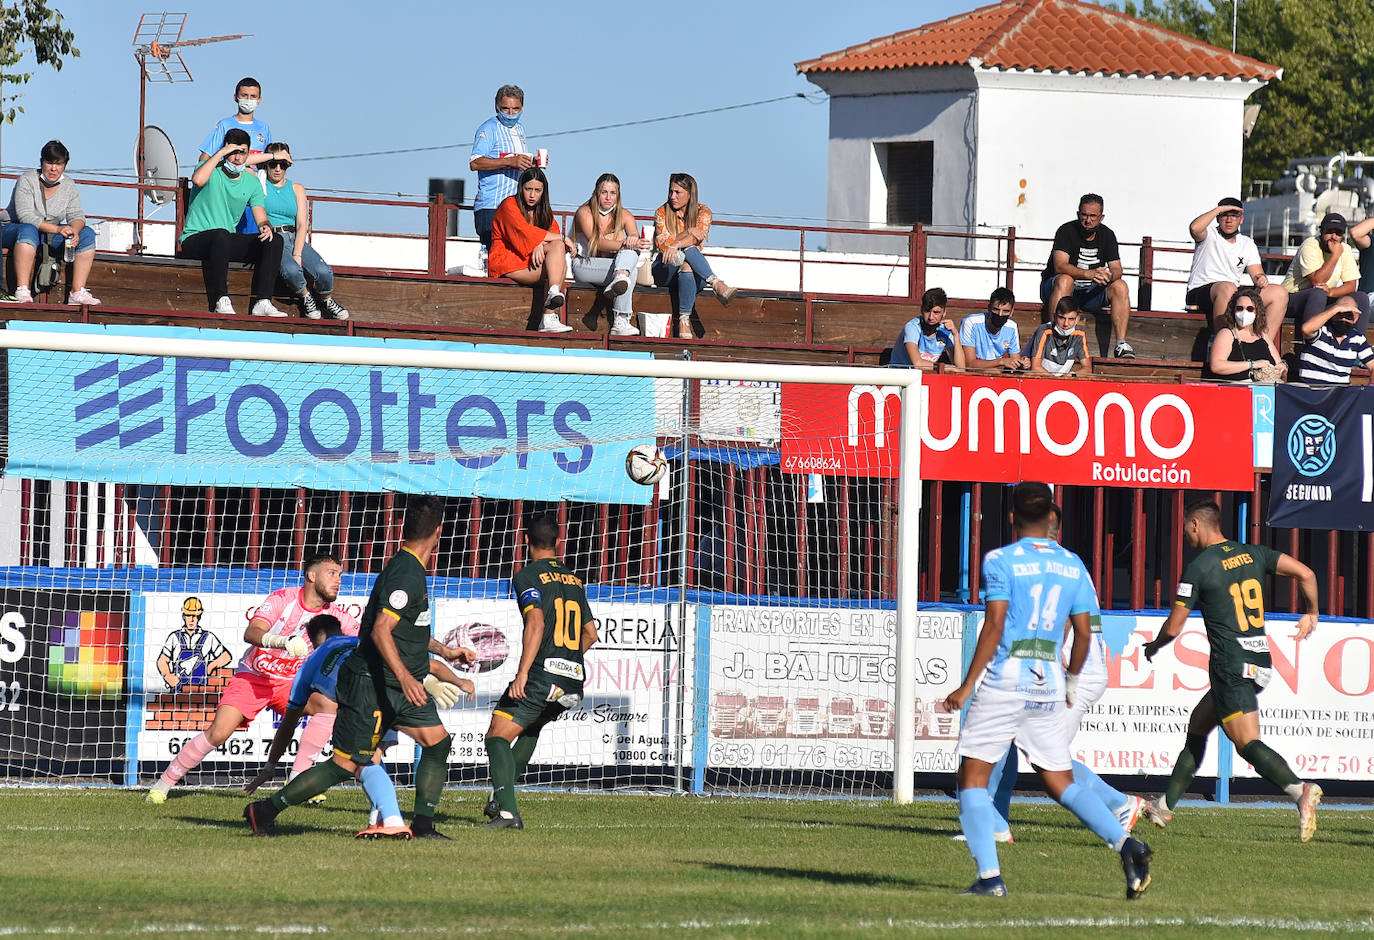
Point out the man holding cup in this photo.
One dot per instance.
(499, 154)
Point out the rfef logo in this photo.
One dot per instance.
(1312, 445)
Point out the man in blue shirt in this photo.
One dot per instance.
(499, 154)
(1032, 586)
(991, 339)
(929, 339)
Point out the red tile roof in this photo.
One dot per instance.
(1045, 35)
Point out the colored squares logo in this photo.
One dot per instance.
(86, 654)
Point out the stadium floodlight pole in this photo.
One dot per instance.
(907, 381)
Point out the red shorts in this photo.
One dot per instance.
(250, 693)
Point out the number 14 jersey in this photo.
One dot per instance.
(1042, 583)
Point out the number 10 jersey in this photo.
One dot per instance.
(555, 590)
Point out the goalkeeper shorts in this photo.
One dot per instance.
(250, 693)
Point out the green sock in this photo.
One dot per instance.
(308, 783)
(521, 750)
(430, 776)
(502, 763)
(1185, 768)
(1270, 765)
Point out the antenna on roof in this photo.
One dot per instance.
(158, 34)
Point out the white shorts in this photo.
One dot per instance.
(997, 718)
(1090, 692)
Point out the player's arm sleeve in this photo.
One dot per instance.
(996, 579)
(1085, 598)
(1186, 595)
(305, 678)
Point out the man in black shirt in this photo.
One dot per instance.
(1085, 262)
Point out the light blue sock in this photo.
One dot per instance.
(381, 791)
(1109, 795)
(1089, 808)
(1000, 785)
(976, 818)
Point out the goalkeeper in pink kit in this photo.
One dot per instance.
(279, 643)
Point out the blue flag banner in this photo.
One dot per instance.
(241, 423)
(1323, 458)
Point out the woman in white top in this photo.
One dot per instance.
(608, 247)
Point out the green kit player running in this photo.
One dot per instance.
(1225, 583)
(559, 629)
(381, 686)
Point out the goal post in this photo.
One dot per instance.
(154, 466)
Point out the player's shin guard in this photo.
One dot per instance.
(1089, 808)
(430, 775)
(521, 750)
(976, 818)
(313, 739)
(501, 759)
(1084, 777)
(1269, 764)
(190, 755)
(382, 792)
(1185, 768)
(310, 783)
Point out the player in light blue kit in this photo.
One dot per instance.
(1032, 585)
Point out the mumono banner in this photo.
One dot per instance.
(202, 422)
(1004, 430)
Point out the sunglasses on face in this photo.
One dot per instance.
(1246, 307)
(277, 164)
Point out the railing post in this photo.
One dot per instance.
(183, 200)
(916, 263)
(1011, 258)
(438, 234)
(1145, 295)
(801, 261)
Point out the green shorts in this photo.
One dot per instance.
(1233, 692)
(544, 702)
(368, 707)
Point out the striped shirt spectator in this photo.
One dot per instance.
(1327, 359)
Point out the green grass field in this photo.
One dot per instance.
(102, 863)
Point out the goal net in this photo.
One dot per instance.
(756, 606)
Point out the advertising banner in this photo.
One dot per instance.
(62, 680)
(204, 422)
(1004, 430)
(1323, 459)
(1317, 712)
(807, 688)
(632, 676)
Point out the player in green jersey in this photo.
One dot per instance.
(1225, 583)
(558, 630)
(382, 685)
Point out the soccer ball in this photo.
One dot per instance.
(646, 464)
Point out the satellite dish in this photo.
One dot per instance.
(159, 165)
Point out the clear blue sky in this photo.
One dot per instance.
(349, 76)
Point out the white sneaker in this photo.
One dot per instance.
(1004, 836)
(621, 326)
(82, 297)
(1129, 814)
(552, 324)
(22, 295)
(224, 307)
(555, 299)
(264, 308)
(617, 287)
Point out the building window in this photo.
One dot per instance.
(910, 178)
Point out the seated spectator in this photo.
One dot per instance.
(223, 191)
(991, 339)
(608, 245)
(289, 216)
(1361, 234)
(1242, 350)
(1057, 348)
(45, 205)
(681, 226)
(1333, 348)
(930, 339)
(528, 247)
(1224, 260)
(1085, 261)
(1323, 274)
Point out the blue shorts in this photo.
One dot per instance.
(1092, 297)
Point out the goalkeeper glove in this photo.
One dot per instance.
(293, 645)
(445, 694)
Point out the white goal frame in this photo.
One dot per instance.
(907, 381)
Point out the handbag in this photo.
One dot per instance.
(1268, 373)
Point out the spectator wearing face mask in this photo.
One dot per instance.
(1242, 350)
(500, 154)
(46, 205)
(1334, 347)
(930, 339)
(991, 340)
(247, 97)
(1060, 347)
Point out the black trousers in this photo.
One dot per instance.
(216, 247)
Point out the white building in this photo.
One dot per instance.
(1005, 115)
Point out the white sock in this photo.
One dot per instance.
(1294, 790)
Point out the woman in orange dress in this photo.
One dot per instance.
(528, 247)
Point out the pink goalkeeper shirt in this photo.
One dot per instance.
(288, 616)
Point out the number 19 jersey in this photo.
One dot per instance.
(1225, 582)
(1042, 583)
